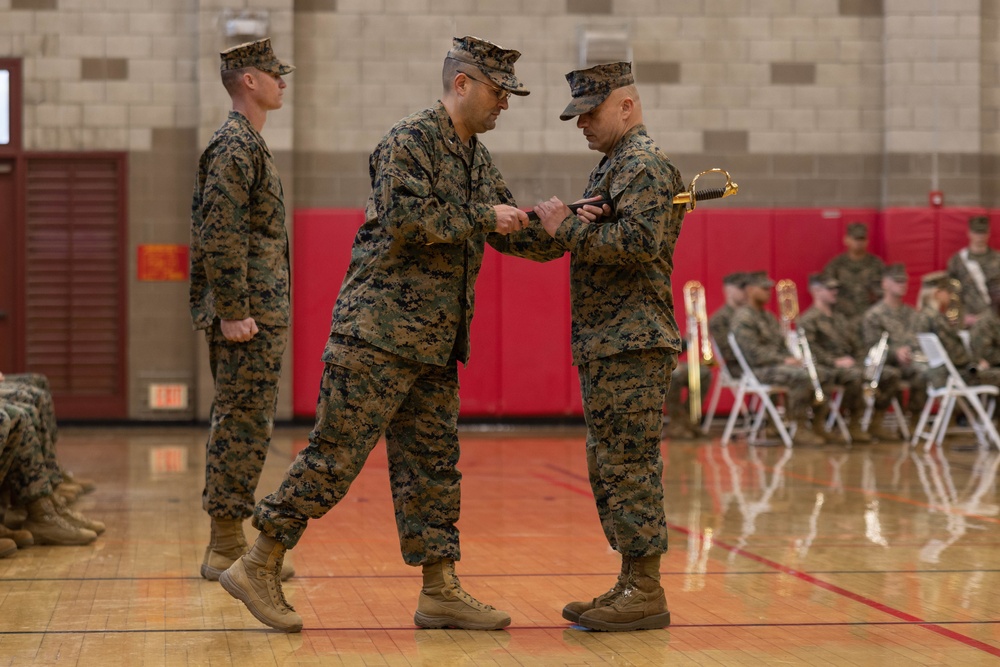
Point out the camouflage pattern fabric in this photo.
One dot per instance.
(242, 418)
(239, 244)
(257, 54)
(935, 322)
(494, 61)
(984, 338)
(623, 397)
(758, 333)
(975, 302)
(860, 284)
(26, 391)
(831, 337)
(718, 326)
(620, 270)
(410, 286)
(590, 87)
(366, 392)
(22, 460)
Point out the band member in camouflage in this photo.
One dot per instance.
(734, 291)
(759, 336)
(977, 268)
(859, 274)
(240, 293)
(624, 336)
(900, 321)
(400, 327)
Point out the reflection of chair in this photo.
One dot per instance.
(954, 390)
(750, 387)
(723, 380)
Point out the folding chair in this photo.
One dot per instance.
(955, 390)
(750, 387)
(723, 380)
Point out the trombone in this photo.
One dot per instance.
(798, 344)
(699, 344)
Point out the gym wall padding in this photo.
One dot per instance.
(520, 365)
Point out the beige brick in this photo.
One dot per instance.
(361, 6)
(152, 23)
(748, 119)
(81, 46)
(128, 46)
(128, 92)
(146, 115)
(771, 50)
(103, 23)
(52, 69)
(140, 139)
(104, 69)
(793, 73)
(105, 115)
(58, 115)
(17, 23)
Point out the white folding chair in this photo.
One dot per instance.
(750, 387)
(723, 380)
(955, 390)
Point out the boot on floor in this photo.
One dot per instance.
(641, 605)
(254, 580)
(226, 544)
(47, 526)
(572, 611)
(443, 603)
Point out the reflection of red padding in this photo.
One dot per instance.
(520, 362)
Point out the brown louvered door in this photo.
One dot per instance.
(75, 281)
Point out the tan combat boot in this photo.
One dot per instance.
(22, 538)
(443, 603)
(7, 547)
(86, 485)
(858, 435)
(226, 544)
(641, 605)
(253, 579)
(572, 611)
(806, 438)
(75, 518)
(47, 526)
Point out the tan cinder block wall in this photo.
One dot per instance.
(807, 102)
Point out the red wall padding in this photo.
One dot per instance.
(520, 363)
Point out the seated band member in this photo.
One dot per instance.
(758, 333)
(975, 267)
(836, 347)
(734, 291)
(900, 321)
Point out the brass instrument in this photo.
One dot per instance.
(691, 196)
(698, 342)
(798, 344)
(954, 310)
(874, 363)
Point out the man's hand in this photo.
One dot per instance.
(591, 213)
(510, 219)
(551, 213)
(904, 355)
(239, 331)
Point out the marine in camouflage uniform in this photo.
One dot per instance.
(24, 473)
(625, 339)
(977, 268)
(859, 274)
(836, 347)
(400, 327)
(901, 322)
(761, 339)
(719, 322)
(933, 320)
(240, 292)
(984, 339)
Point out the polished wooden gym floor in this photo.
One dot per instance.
(878, 555)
